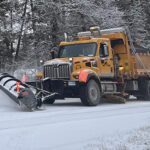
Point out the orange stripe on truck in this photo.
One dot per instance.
(83, 76)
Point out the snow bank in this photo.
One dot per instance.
(134, 140)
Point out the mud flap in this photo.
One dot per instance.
(20, 94)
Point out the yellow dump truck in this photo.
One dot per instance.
(97, 63)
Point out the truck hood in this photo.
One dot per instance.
(68, 60)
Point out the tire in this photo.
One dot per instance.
(139, 97)
(144, 89)
(90, 94)
(49, 101)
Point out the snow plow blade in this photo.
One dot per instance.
(18, 91)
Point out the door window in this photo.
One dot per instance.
(104, 50)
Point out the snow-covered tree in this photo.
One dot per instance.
(30, 28)
(136, 17)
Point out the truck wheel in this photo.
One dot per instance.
(49, 101)
(144, 88)
(90, 94)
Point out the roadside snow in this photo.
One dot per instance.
(67, 125)
(134, 140)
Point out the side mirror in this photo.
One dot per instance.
(54, 52)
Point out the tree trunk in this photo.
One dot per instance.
(11, 43)
(21, 30)
(33, 16)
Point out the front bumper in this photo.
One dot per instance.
(64, 88)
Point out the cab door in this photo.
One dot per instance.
(106, 64)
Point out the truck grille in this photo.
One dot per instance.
(61, 71)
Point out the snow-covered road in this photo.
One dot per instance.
(67, 125)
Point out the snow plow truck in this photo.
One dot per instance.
(97, 63)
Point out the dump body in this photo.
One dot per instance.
(143, 67)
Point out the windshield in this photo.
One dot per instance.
(78, 50)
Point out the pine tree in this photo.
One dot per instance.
(136, 17)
